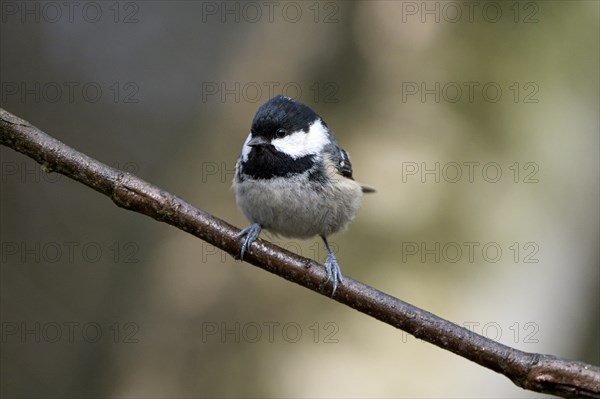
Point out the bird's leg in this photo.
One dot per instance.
(251, 232)
(332, 267)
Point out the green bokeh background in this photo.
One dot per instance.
(156, 292)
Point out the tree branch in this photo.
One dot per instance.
(536, 372)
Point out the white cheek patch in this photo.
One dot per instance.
(246, 148)
(300, 144)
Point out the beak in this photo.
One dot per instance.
(258, 141)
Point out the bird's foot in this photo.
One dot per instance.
(333, 272)
(332, 268)
(251, 233)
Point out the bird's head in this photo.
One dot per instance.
(288, 127)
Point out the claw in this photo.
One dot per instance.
(251, 232)
(332, 267)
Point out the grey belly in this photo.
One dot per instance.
(296, 209)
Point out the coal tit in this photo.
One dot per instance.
(293, 179)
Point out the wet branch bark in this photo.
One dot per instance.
(532, 371)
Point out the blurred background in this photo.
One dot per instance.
(477, 123)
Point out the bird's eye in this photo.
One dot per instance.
(280, 133)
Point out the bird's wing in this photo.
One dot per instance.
(340, 159)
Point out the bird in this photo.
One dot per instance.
(294, 180)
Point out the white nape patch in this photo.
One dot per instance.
(299, 144)
(246, 148)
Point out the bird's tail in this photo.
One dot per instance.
(367, 189)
